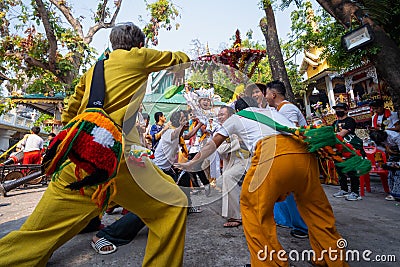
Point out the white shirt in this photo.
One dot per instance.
(293, 113)
(33, 143)
(250, 131)
(166, 153)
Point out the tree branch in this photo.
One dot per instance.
(102, 24)
(387, 58)
(103, 10)
(347, 8)
(49, 34)
(288, 58)
(67, 14)
(37, 63)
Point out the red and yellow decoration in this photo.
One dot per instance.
(241, 60)
(137, 153)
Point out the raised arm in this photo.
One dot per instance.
(193, 131)
(155, 60)
(178, 131)
(211, 146)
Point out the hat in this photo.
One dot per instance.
(205, 93)
(341, 105)
(377, 103)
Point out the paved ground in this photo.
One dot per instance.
(370, 224)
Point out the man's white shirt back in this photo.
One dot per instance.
(293, 113)
(166, 152)
(251, 131)
(33, 143)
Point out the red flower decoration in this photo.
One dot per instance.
(339, 137)
(339, 147)
(347, 154)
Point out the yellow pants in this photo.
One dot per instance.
(62, 213)
(269, 179)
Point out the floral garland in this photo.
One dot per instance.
(237, 58)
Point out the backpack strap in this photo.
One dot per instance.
(98, 87)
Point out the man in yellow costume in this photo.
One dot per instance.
(148, 192)
(269, 180)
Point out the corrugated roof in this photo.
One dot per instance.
(159, 98)
(56, 96)
(45, 104)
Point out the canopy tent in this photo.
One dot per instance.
(153, 103)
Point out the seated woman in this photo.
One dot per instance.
(391, 141)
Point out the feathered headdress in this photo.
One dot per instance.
(205, 93)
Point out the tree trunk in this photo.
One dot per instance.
(387, 60)
(274, 52)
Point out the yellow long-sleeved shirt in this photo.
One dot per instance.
(125, 74)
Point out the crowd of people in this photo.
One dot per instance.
(258, 191)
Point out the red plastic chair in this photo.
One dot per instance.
(372, 154)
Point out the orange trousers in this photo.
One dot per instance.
(279, 166)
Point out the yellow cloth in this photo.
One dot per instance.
(150, 194)
(125, 73)
(261, 189)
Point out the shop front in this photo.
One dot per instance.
(357, 88)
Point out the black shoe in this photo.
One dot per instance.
(298, 234)
(247, 265)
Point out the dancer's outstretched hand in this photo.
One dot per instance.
(190, 166)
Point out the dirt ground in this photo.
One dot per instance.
(370, 224)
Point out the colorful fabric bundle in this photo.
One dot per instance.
(321, 140)
(93, 142)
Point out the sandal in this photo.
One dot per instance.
(232, 223)
(101, 243)
(194, 210)
(390, 198)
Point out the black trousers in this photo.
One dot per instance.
(183, 183)
(201, 174)
(354, 181)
